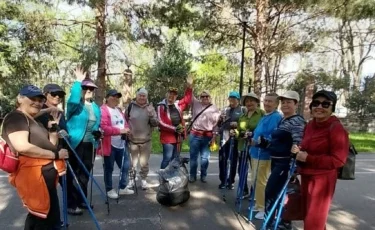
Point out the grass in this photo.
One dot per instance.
(363, 142)
(156, 145)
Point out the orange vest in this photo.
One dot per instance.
(30, 184)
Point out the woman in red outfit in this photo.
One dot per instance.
(323, 151)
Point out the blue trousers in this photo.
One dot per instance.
(109, 162)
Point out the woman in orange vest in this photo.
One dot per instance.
(40, 162)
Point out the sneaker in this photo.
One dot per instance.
(221, 186)
(259, 215)
(126, 191)
(112, 194)
(75, 212)
(144, 185)
(230, 187)
(192, 179)
(130, 184)
(84, 206)
(203, 179)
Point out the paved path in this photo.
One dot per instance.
(353, 208)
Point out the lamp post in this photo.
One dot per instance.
(244, 18)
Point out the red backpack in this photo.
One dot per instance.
(8, 157)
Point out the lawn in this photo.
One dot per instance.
(156, 145)
(363, 142)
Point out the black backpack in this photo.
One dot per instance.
(347, 172)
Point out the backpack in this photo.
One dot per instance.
(347, 172)
(8, 157)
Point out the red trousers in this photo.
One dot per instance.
(317, 193)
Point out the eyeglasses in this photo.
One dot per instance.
(88, 88)
(55, 94)
(325, 104)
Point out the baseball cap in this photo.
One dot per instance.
(206, 92)
(88, 82)
(53, 88)
(113, 92)
(331, 96)
(234, 94)
(252, 95)
(142, 91)
(290, 95)
(31, 91)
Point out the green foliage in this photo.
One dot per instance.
(321, 79)
(362, 101)
(170, 70)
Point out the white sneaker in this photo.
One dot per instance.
(144, 185)
(259, 215)
(126, 191)
(112, 194)
(130, 184)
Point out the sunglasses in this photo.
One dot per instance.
(55, 94)
(88, 88)
(325, 104)
(205, 96)
(172, 89)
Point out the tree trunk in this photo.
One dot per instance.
(260, 40)
(100, 11)
(308, 94)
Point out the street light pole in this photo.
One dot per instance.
(242, 56)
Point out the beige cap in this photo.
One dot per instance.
(252, 95)
(206, 92)
(290, 95)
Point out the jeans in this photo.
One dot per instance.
(276, 181)
(169, 153)
(109, 161)
(223, 162)
(199, 145)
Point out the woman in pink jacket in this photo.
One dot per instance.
(114, 146)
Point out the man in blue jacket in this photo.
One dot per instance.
(265, 127)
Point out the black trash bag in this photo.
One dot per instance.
(174, 180)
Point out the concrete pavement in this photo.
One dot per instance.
(353, 206)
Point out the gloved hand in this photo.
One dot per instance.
(97, 134)
(262, 142)
(232, 133)
(248, 134)
(179, 129)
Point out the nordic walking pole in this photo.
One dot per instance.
(92, 172)
(251, 205)
(120, 174)
(105, 181)
(242, 180)
(65, 135)
(83, 196)
(228, 166)
(281, 197)
(285, 189)
(65, 200)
